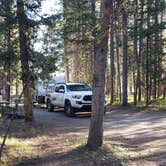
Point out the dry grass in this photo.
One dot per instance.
(17, 150)
(33, 143)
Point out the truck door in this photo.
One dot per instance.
(53, 96)
(60, 92)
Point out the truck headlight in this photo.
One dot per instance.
(76, 96)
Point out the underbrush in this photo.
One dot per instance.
(155, 105)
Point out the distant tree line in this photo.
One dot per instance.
(117, 45)
(136, 55)
(19, 59)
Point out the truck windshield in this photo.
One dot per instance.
(78, 88)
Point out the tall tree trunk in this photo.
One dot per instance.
(140, 52)
(10, 53)
(117, 33)
(147, 55)
(164, 88)
(66, 60)
(112, 73)
(156, 51)
(93, 13)
(76, 68)
(150, 68)
(95, 138)
(136, 51)
(125, 58)
(66, 66)
(24, 56)
(147, 73)
(161, 91)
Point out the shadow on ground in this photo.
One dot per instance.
(142, 133)
(80, 156)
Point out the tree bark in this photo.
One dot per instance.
(66, 65)
(147, 73)
(112, 51)
(140, 53)
(117, 33)
(125, 58)
(9, 52)
(136, 51)
(93, 13)
(156, 51)
(24, 56)
(95, 138)
(147, 56)
(65, 46)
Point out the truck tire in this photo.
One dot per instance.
(69, 111)
(50, 107)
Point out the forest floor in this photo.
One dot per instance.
(132, 138)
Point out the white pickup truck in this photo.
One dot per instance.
(73, 97)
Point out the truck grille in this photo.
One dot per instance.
(87, 98)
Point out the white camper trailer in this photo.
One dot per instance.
(58, 79)
(43, 88)
(40, 91)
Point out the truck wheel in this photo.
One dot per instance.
(69, 109)
(50, 107)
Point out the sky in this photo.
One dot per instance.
(50, 6)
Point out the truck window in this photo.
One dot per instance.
(57, 89)
(79, 87)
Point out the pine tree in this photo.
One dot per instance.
(125, 56)
(25, 57)
(95, 139)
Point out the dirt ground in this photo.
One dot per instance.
(142, 134)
